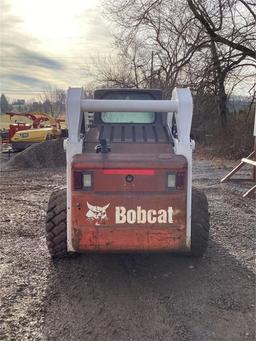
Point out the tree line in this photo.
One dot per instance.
(50, 101)
(208, 45)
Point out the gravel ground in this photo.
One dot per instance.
(125, 297)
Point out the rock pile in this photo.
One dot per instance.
(48, 154)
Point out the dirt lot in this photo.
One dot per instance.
(125, 297)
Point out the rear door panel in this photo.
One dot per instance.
(120, 216)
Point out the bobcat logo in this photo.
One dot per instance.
(97, 213)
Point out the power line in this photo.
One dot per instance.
(25, 92)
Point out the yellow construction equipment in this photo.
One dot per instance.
(44, 127)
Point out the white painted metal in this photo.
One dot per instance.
(183, 144)
(73, 145)
(181, 106)
(99, 105)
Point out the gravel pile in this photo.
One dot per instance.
(48, 154)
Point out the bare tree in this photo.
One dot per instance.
(53, 101)
(116, 70)
(228, 22)
(201, 43)
(230, 26)
(160, 38)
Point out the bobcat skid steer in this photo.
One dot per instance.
(129, 176)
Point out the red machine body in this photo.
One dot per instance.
(129, 206)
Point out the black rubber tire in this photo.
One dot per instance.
(56, 224)
(48, 137)
(200, 223)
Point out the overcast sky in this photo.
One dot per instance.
(49, 43)
(52, 43)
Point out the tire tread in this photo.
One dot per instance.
(56, 224)
(200, 224)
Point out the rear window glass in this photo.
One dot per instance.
(128, 117)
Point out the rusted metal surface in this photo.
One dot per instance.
(133, 229)
(136, 158)
(131, 239)
(141, 215)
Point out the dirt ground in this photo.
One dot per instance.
(125, 297)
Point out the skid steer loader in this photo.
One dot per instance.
(129, 176)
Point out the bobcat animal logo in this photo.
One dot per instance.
(97, 213)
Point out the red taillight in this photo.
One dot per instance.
(175, 180)
(78, 180)
(180, 180)
(83, 180)
(129, 171)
